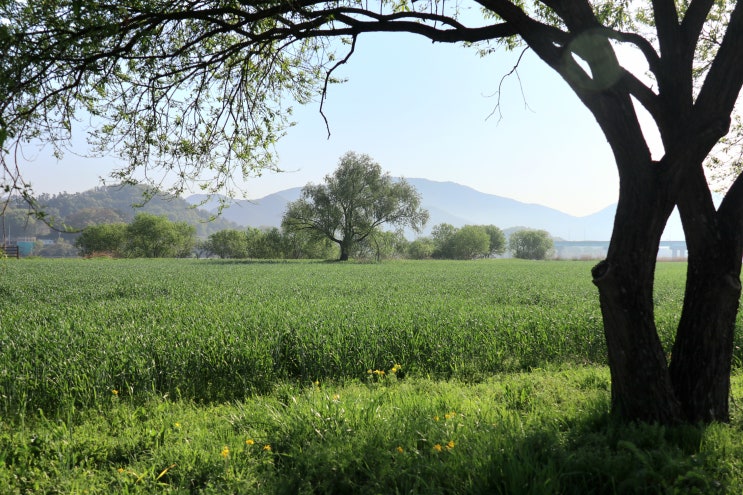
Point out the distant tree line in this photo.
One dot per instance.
(154, 236)
(343, 218)
(271, 243)
(480, 241)
(445, 242)
(464, 243)
(147, 236)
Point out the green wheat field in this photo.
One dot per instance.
(405, 377)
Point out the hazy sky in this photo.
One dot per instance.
(424, 110)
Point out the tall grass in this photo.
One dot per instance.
(72, 331)
(186, 376)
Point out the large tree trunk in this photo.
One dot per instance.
(696, 386)
(703, 350)
(690, 121)
(641, 383)
(345, 250)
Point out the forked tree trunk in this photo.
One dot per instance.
(696, 386)
(690, 119)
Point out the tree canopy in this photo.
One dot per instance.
(200, 90)
(147, 236)
(152, 236)
(530, 244)
(354, 203)
(465, 243)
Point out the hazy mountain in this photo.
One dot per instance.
(118, 200)
(448, 202)
(263, 212)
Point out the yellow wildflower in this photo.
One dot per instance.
(437, 447)
(249, 441)
(450, 445)
(114, 391)
(225, 452)
(396, 368)
(336, 397)
(177, 426)
(450, 415)
(267, 448)
(400, 449)
(120, 470)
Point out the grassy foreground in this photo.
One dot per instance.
(182, 376)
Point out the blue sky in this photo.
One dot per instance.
(424, 110)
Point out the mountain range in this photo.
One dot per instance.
(448, 202)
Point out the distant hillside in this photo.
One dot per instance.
(448, 202)
(114, 203)
(264, 212)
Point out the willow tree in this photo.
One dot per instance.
(197, 88)
(353, 204)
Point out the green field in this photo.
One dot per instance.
(204, 376)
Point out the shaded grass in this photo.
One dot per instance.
(541, 432)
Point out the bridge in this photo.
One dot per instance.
(567, 249)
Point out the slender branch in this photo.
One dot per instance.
(514, 70)
(327, 80)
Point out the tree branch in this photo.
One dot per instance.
(642, 44)
(723, 83)
(327, 79)
(693, 22)
(667, 26)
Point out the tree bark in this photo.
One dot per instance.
(641, 385)
(696, 385)
(702, 353)
(345, 251)
(703, 349)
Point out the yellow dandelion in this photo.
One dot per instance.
(437, 447)
(114, 391)
(316, 383)
(177, 426)
(225, 452)
(435, 418)
(249, 441)
(396, 368)
(450, 415)
(267, 447)
(336, 397)
(369, 371)
(450, 445)
(120, 470)
(400, 450)
(379, 372)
